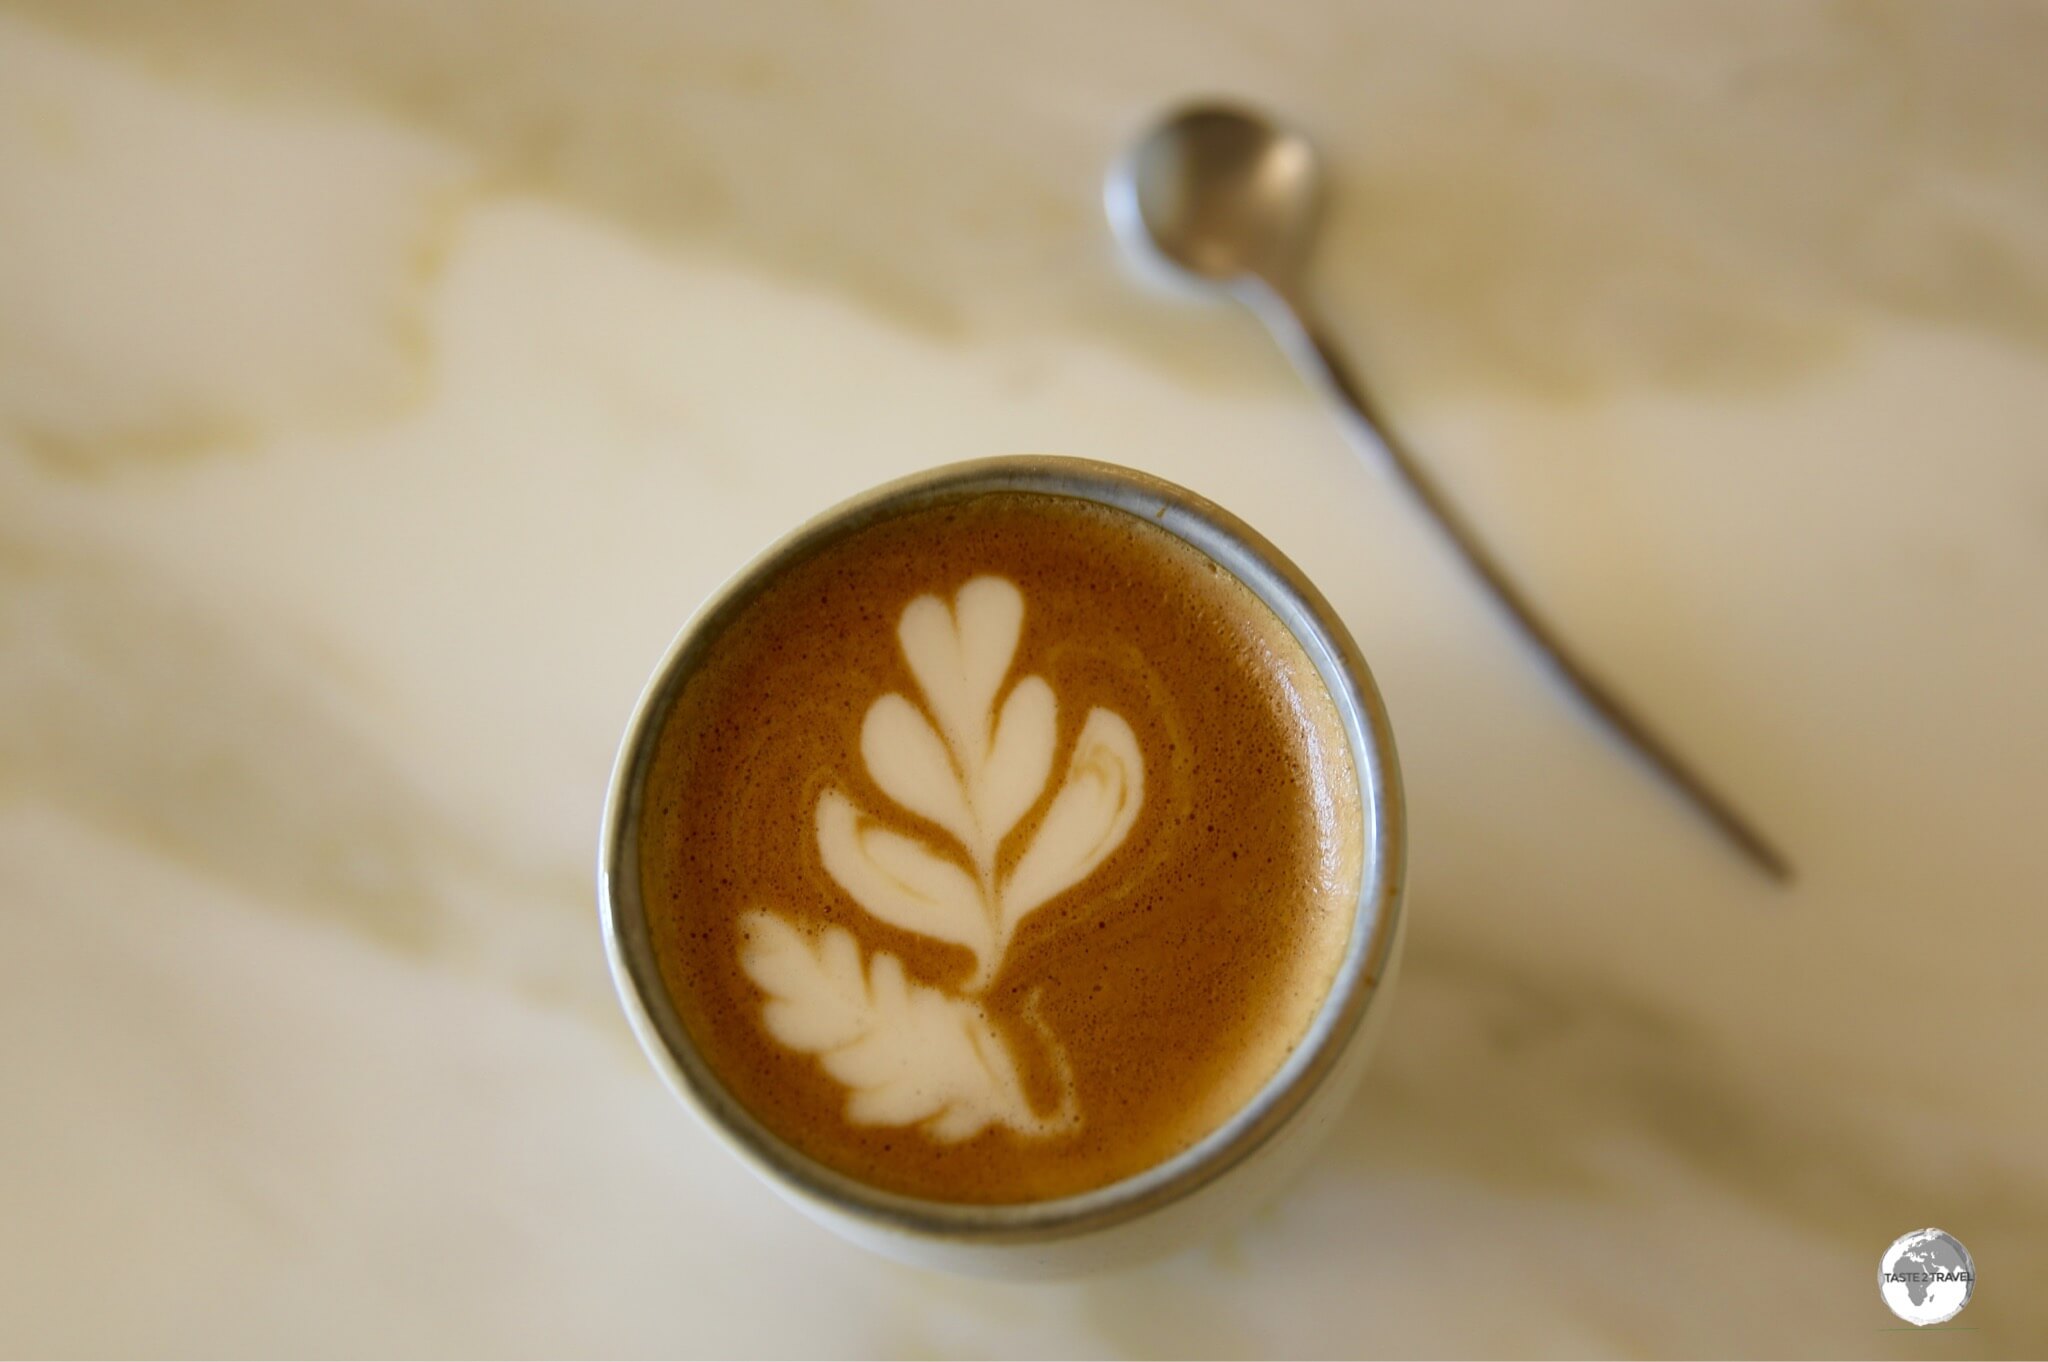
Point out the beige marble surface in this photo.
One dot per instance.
(380, 386)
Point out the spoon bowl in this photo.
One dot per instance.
(1216, 196)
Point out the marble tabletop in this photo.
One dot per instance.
(381, 385)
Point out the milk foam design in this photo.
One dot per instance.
(911, 1053)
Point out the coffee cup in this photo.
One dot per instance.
(970, 828)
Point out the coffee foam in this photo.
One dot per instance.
(1002, 849)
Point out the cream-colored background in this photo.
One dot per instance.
(381, 385)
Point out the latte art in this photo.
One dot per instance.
(908, 1052)
(975, 775)
(999, 849)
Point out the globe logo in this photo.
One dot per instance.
(1926, 1277)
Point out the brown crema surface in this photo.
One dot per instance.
(1177, 976)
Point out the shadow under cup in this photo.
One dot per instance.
(1172, 1203)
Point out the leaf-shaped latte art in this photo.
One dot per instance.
(960, 656)
(908, 1053)
(910, 762)
(1088, 819)
(899, 879)
(972, 763)
(1019, 760)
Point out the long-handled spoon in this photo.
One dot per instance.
(1225, 200)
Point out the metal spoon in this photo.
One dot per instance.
(1220, 198)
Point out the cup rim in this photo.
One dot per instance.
(1359, 981)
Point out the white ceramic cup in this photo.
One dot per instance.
(1171, 1204)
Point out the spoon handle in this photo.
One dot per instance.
(1317, 357)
